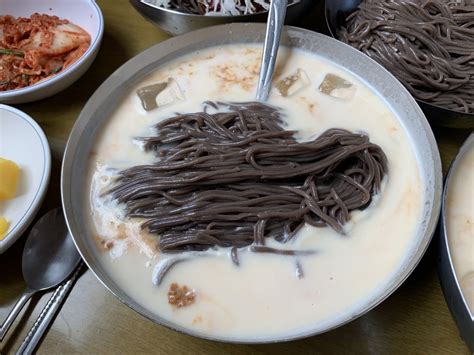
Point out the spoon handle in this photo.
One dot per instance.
(47, 314)
(15, 311)
(275, 22)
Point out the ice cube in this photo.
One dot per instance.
(171, 94)
(148, 94)
(291, 84)
(335, 86)
(160, 94)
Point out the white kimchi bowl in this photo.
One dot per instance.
(84, 13)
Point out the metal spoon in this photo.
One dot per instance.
(49, 258)
(276, 20)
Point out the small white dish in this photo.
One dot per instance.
(84, 13)
(23, 141)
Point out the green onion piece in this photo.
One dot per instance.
(56, 70)
(26, 77)
(12, 52)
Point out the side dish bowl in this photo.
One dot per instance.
(450, 282)
(176, 22)
(84, 13)
(336, 12)
(34, 160)
(99, 107)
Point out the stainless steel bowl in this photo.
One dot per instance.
(449, 281)
(100, 106)
(176, 23)
(336, 12)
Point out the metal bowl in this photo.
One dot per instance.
(100, 106)
(176, 22)
(336, 12)
(449, 281)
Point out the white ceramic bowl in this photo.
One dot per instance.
(23, 141)
(84, 13)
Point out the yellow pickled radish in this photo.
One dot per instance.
(3, 227)
(9, 174)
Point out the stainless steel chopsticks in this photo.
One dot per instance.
(48, 313)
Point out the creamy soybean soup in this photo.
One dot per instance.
(460, 217)
(264, 295)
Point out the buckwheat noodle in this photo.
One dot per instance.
(427, 44)
(235, 177)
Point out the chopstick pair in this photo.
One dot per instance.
(48, 313)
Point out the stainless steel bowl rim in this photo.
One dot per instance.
(97, 110)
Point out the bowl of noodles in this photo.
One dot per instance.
(46, 46)
(428, 46)
(251, 222)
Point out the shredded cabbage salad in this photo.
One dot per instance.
(216, 7)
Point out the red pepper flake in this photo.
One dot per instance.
(180, 296)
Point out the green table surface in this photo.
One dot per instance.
(414, 320)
